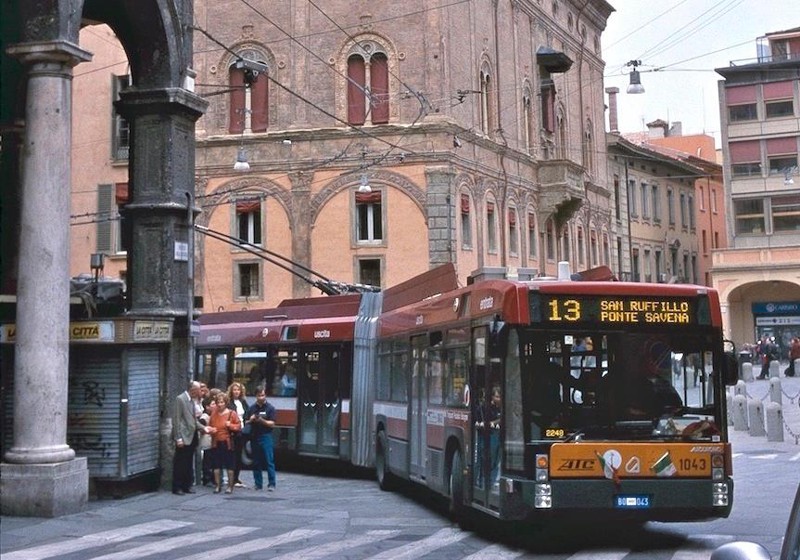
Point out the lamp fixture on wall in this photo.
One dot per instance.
(635, 85)
(364, 186)
(241, 161)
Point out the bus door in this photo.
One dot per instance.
(419, 408)
(487, 420)
(318, 401)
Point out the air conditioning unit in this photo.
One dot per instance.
(662, 277)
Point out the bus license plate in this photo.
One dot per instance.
(632, 501)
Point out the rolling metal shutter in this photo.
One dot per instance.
(141, 412)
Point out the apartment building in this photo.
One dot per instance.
(759, 274)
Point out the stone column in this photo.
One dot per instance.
(301, 215)
(160, 216)
(41, 476)
(441, 206)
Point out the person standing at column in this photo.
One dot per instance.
(185, 426)
(261, 416)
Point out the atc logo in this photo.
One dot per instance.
(577, 465)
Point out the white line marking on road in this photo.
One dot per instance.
(94, 540)
(795, 457)
(333, 548)
(767, 456)
(410, 551)
(495, 552)
(230, 551)
(161, 546)
(691, 555)
(600, 555)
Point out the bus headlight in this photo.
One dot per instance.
(719, 495)
(542, 496)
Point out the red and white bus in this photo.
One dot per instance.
(534, 400)
(314, 356)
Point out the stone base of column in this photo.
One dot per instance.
(44, 490)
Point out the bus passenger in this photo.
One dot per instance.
(487, 424)
(493, 416)
(288, 384)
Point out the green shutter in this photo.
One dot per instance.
(105, 194)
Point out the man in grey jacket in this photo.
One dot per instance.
(184, 435)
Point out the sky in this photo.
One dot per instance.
(679, 44)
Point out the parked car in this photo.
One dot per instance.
(742, 550)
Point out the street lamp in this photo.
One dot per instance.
(635, 85)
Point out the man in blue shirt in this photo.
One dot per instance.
(261, 416)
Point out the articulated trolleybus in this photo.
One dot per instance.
(545, 399)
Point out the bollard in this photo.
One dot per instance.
(774, 369)
(739, 413)
(775, 393)
(756, 416)
(729, 401)
(774, 422)
(747, 371)
(740, 388)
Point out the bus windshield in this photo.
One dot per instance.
(618, 385)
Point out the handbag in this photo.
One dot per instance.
(247, 429)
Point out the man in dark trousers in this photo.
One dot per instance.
(261, 415)
(185, 425)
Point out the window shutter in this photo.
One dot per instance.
(379, 88)
(465, 204)
(104, 198)
(356, 101)
(745, 152)
(740, 94)
(531, 222)
(121, 193)
(248, 206)
(259, 102)
(236, 81)
(512, 217)
(780, 146)
(373, 197)
(778, 90)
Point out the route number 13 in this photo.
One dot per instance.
(567, 310)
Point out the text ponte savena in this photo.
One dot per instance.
(616, 311)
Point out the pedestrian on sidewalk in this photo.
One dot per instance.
(185, 426)
(261, 416)
(224, 422)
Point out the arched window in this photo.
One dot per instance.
(249, 97)
(491, 227)
(588, 148)
(527, 121)
(368, 85)
(487, 102)
(466, 222)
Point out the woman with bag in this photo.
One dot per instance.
(238, 403)
(224, 423)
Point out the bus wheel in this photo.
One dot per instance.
(456, 484)
(385, 478)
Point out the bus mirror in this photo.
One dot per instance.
(731, 369)
(497, 329)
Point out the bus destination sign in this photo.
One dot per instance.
(617, 309)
